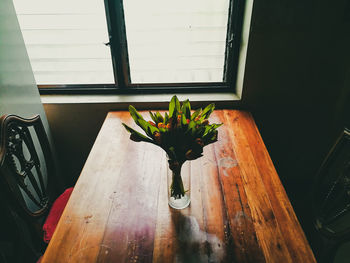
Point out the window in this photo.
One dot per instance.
(132, 46)
(64, 41)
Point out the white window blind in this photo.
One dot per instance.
(176, 41)
(65, 40)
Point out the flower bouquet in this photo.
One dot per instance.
(181, 133)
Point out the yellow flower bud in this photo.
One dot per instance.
(190, 155)
(199, 141)
(152, 123)
(157, 137)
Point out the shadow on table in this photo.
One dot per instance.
(193, 244)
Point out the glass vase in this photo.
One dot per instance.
(179, 184)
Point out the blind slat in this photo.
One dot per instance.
(176, 41)
(65, 41)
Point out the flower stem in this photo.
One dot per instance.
(177, 188)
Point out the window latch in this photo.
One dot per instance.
(230, 40)
(107, 44)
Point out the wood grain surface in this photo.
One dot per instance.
(239, 211)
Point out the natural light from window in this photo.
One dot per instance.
(65, 40)
(176, 41)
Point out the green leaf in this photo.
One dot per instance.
(171, 153)
(139, 135)
(207, 111)
(210, 137)
(206, 130)
(147, 127)
(177, 104)
(148, 131)
(192, 127)
(183, 120)
(196, 113)
(162, 130)
(200, 131)
(186, 109)
(214, 137)
(166, 118)
(153, 117)
(215, 126)
(174, 106)
(159, 117)
(134, 114)
(210, 128)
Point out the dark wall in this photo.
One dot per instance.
(298, 74)
(297, 84)
(74, 130)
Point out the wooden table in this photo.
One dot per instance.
(239, 211)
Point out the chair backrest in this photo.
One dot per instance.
(28, 184)
(26, 164)
(331, 197)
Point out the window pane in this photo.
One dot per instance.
(176, 41)
(65, 40)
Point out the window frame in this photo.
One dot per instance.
(118, 45)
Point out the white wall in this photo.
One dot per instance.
(18, 91)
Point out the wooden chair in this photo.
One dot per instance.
(28, 182)
(331, 199)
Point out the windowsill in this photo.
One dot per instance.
(220, 99)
